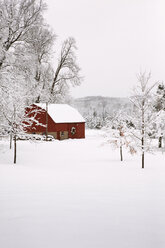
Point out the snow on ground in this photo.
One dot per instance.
(77, 194)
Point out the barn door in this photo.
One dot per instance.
(63, 135)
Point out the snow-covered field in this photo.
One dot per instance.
(77, 194)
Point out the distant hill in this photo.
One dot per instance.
(100, 105)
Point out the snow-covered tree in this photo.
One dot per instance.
(117, 133)
(17, 18)
(40, 42)
(143, 116)
(160, 97)
(94, 120)
(159, 106)
(159, 127)
(17, 92)
(14, 101)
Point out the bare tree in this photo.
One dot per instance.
(67, 70)
(143, 117)
(117, 133)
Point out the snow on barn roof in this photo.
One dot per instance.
(62, 113)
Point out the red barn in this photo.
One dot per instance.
(63, 122)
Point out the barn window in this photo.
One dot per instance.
(73, 130)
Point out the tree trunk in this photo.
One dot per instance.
(142, 160)
(39, 96)
(160, 142)
(143, 132)
(56, 76)
(2, 61)
(121, 153)
(11, 137)
(142, 153)
(15, 149)
(47, 121)
(38, 99)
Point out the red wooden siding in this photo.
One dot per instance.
(80, 130)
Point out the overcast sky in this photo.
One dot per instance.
(115, 39)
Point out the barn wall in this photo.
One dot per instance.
(61, 127)
(80, 130)
(41, 118)
(54, 134)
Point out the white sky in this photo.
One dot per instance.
(115, 39)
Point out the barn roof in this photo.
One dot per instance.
(62, 113)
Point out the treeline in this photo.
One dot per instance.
(136, 129)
